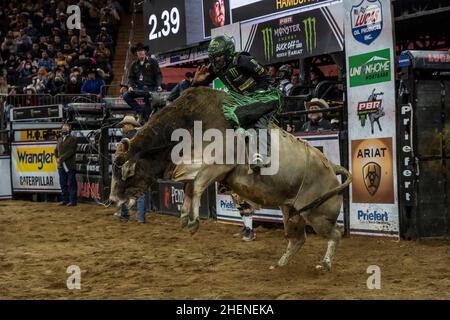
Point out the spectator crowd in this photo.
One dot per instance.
(40, 54)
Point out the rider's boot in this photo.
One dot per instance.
(261, 159)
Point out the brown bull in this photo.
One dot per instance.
(305, 186)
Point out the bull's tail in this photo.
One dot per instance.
(339, 170)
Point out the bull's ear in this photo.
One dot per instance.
(126, 144)
(128, 170)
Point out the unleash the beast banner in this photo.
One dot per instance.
(34, 168)
(301, 35)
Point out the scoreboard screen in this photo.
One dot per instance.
(165, 25)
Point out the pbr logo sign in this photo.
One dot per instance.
(367, 21)
(372, 109)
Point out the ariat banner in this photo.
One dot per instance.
(373, 177)
(34, 167)
(296, 36)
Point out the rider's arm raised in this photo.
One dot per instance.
(204, 76)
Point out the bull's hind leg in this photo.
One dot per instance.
(323, 221)
(294, 230)
(184, 217)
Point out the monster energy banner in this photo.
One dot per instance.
(296, 36)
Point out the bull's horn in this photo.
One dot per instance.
(126, 144)
(128, 170)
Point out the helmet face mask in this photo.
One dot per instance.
(219, 62)
(220, 51)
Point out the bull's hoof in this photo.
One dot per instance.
(283, 260)
(323, 267)
(193, 226)
(184, 220)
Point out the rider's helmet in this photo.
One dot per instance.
(285, 72)
(221, 52)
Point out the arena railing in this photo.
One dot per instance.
(298, 118)
(329, 86)
(65, 99)
(28, 100)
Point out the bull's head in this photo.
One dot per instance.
(133, 172)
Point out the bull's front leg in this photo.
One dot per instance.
(185, 209)
(206, 176)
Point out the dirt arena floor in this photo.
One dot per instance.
(38, 241)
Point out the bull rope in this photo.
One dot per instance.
(324, 197)
(306, 166)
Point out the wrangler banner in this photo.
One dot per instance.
(33, 167)
(301, 35)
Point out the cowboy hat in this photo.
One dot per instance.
(138, 47)
(317, 102)
(31, 88)
(129, 120)
(91, 69)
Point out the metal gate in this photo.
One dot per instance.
(424, 141)
(433, 122)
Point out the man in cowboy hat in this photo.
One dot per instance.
(144, 77)
(93, 84)
(129, 129)
(316, 121)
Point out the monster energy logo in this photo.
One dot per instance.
(310, 34)
(234, 72)
(268, 43)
